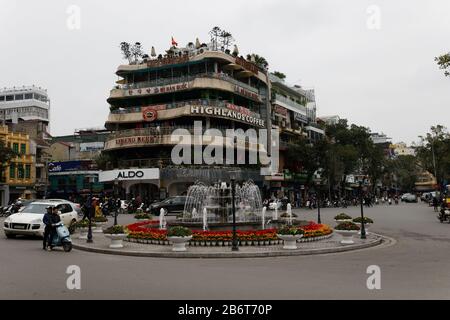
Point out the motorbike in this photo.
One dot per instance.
(62, 237)
(444, 215)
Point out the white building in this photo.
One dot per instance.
(26, 103)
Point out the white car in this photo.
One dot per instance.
(29, 220)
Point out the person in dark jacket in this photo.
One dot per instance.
(54, 219)
(47, 223)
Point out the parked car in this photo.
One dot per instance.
(29, 220)
(171, 205)
(409, 197)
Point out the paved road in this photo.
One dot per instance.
(416, 267)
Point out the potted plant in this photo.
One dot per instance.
(367, 223)
(346, 230)
(83, 227)
(116, 234)
(290, 235)
(100, 222)
(342, 217)
(179, 236)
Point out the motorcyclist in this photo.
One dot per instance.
(54, 220)
(47, 229)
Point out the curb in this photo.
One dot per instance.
(230, 254)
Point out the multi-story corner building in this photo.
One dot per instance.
(18, 177)
(27, 110)
(294, 113)
(153, 97)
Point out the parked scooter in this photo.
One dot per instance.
(62, 237)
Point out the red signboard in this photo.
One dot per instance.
(150, 114)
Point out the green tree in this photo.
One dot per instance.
(443, 62)
(259, 60)
(434, 153)
(6, 154)
(402, 171)
(280, 75)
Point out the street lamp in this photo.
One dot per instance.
(91, 209)
(233, 205)
(116, 182)
(363, 228)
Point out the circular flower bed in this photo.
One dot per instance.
(143, 232)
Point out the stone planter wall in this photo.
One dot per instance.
(228, 243)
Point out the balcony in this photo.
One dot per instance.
(145, 137)
(289, 104)
(183, 79)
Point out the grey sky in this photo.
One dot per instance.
(385, 79)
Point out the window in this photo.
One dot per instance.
(9, 98)
(23, 148)
(27, 171)
(19, 97)
(64, 208)
(20, 172)
(2, 98)
(12, 171)
(28, 96)
(16, 147)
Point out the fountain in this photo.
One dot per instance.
(289, 213)
(205, 219)
(215, 204)
(275, 213)
(263, 216)
(162, 220)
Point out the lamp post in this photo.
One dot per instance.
(91, 210)
(319, 221)
(233, 206)
(363, 229)
(116, 182)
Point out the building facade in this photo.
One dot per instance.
(184, 89)
(19, 176)
(294, 114)
(26, 103)
(26, 110)
(73, 163)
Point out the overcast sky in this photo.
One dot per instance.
(385, 78)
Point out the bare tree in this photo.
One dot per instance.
(226, 39)
(136, 51)
(215, 33)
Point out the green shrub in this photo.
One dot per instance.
(115, 230)
(366, 220)
(179, 231)
(348, 226)
(287, 230)
(342, 216)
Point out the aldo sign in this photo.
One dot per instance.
(129, 174)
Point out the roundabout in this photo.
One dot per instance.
(154, 243)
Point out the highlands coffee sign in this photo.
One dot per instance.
(129, 175)
(226, 113)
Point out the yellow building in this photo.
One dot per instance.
(20, 173)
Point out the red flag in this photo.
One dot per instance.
(174, 43)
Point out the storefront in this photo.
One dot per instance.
(131, 183)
